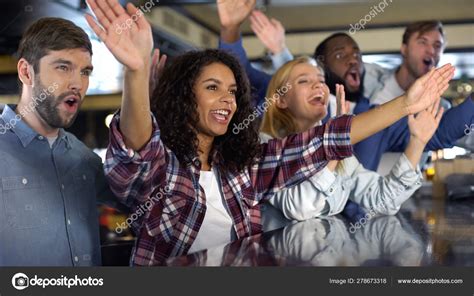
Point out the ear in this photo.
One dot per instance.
(25, 72)
(281, 102)
(403, 50)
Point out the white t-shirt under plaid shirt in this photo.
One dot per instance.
(216, 227)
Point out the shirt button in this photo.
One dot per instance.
(76, 259)
(40, 137)
(84, 177)
(24, 181)
(331, 189)
(68, 222)
(62, 186)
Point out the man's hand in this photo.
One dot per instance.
(270, 32)
(126, 33)
(232, 14)
(428, 88)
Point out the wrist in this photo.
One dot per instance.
(406, 106)
(415, 140)
(142, 72)
(230, 34)
(142, 66)
(278, 49)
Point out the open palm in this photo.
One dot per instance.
(234, 12)
(428, 88)
(126, 33)
(270, 32)
(425, 123)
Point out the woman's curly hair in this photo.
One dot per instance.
(173, 102)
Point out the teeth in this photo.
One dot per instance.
(221, 112)
(319, 96)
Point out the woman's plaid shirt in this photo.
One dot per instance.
(167, 221)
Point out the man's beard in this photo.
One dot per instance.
(332, 79)
(47, 107)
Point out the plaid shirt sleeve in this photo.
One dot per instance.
(133, 175)
(291, 160)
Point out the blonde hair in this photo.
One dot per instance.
(278, 122)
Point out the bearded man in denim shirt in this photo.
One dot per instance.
(49, 180)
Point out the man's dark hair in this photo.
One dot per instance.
(48, 34)
(422, 27)
(320, 52)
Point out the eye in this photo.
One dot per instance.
(339, 56)
(212, 87)
(86, 73)
(62, 68)
(302, 81)
(356, 55)
(233, 91)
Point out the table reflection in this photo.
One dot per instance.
(424, 233)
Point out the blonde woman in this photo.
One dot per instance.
(302, 107)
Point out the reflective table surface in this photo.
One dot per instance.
(425, 232)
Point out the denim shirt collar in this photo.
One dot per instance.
(23, 131)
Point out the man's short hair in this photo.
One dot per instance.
(422, 27)
(320, 51)
(48, 34)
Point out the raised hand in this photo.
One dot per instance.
(342, 104)
(424, 124)
(270, 32)
(126, 33)
(428, 88)
(157, 66)
(232, 13)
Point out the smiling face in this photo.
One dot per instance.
(67, 73)
(343, 58)
(422, 52)
(307, 99)
(215, 91)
